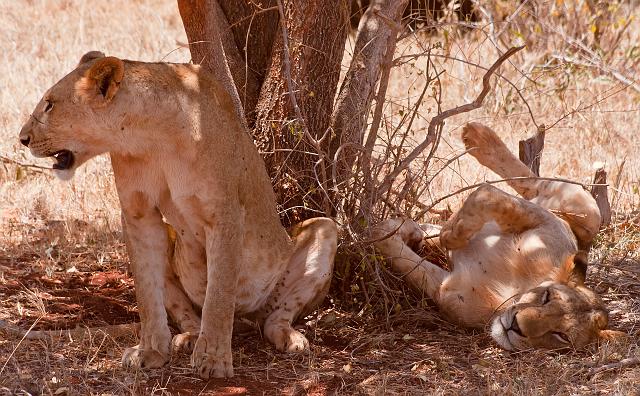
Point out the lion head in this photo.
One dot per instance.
(58, 126)
(559, 313)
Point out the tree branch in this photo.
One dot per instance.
(471, 187)
(438, 121)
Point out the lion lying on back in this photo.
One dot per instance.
(518, 264)
(180, 152)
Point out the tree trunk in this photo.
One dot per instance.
(254, 27)
(376, 36)
(211, 45)
(249, 36)
(317, 32)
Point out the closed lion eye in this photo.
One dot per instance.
(563, 338)
(545, 297)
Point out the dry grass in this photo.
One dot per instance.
(62, 260)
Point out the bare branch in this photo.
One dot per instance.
(471, 187)
(628, 362)
(438, 121)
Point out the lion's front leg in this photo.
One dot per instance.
(148, 252)
(487, 203)
(212, 352)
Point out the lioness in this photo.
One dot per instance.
(180, 152)
(518, 264)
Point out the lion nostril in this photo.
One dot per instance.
(515, 327)
(25, 141)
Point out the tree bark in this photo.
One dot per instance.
(601, 195)
(248, 35)
(530, 150)
(254, 25)
(212, 46)
(376, 36)
(317, 32)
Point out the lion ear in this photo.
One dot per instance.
(574, 269)
(89, 56)
(101, 81)
(612, 335)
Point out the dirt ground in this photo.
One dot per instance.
(412, 351)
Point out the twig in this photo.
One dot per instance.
(385, 72)
(629, 82)
(438, 121)
(15, 162)
(19, 343)
(471, 187)
(579, 109)
(466, 62)
(35, 168)
(628, 362)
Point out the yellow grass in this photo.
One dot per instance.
(56, 228)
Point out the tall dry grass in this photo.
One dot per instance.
(50, 227)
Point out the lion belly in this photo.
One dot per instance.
(496, 266)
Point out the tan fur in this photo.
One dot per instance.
(517, 268)
(179, 152)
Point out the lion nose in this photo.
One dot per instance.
(25, 135)
(514, 325)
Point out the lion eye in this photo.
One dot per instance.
(561, 337)
(49, 106)
(545, 297)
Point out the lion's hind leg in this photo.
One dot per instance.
(489, 150)
(396, 240)
(304, 284)
(488, 204)
(569, 201)
(181, 311)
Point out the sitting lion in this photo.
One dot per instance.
(518, 264)
(181, 155)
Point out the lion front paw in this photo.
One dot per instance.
(137, 357)
(184, 342)
(210, 360)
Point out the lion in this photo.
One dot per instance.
(518, 263)
(203, 235)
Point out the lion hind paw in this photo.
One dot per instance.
(137, 358)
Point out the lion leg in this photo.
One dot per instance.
(178, 305)
(180, 310)
(489, 150)
(396, 241)
(148, 247)
(487, 203)
(569, 201)
(304, 284)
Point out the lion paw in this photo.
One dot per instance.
(290, 340)
(455, 235)
(184, 342)
(211, 362)
(483, 142)
(137, 358)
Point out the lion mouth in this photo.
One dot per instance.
(64, 159)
